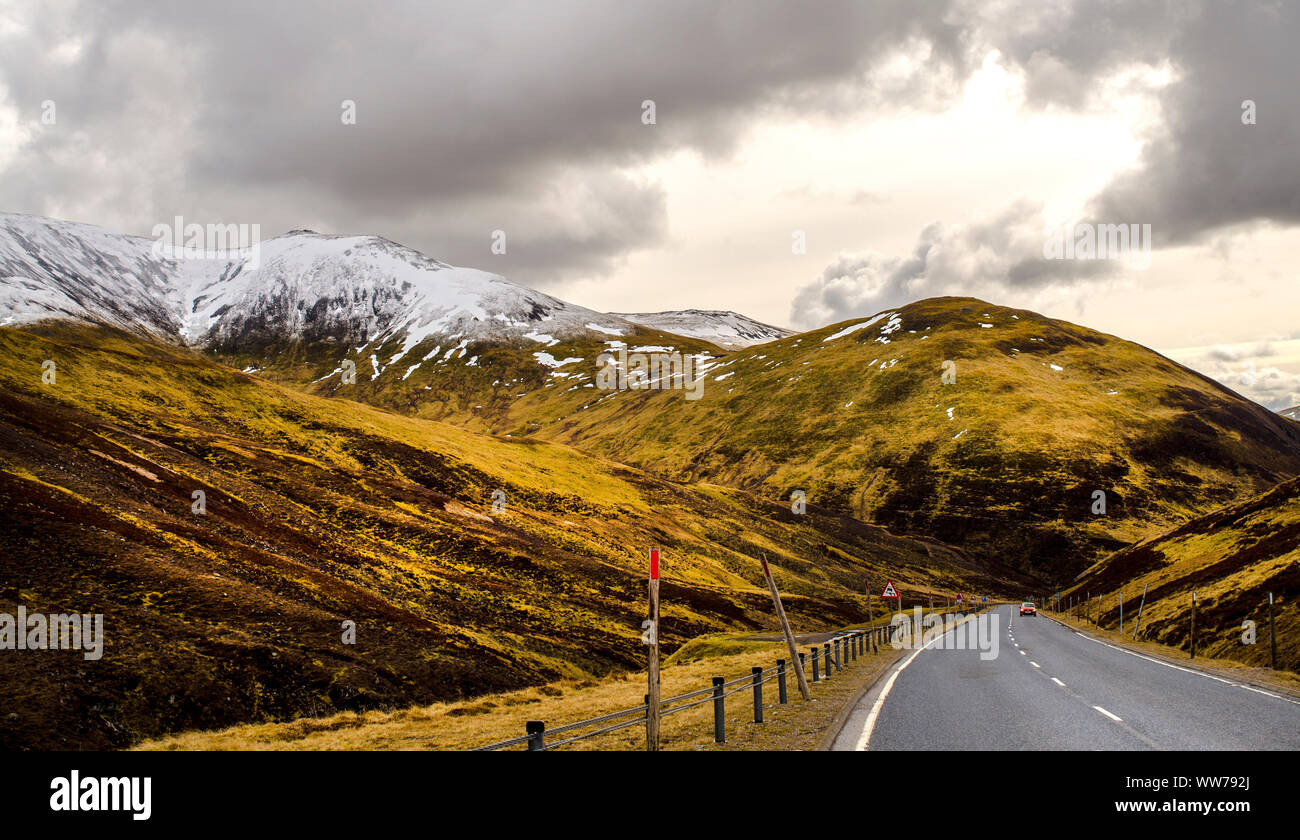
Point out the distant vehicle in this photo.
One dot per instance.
(1028, 609)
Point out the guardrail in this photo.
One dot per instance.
(832, 656)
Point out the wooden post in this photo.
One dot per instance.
(1138, 621)
(795, 659)
(1272, 636)
(651, 638)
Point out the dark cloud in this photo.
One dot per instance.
(1201, 170)
(469, 116)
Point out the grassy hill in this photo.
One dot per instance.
(1004, 461)
(1232, 558)
(324, 510)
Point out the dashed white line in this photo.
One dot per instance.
(1022, 653)
(1110, 715)
(1035, 664)
(1058, 682)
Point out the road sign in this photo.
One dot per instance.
(959, 597)
(654, 564)
(984, 599)
(889, 592)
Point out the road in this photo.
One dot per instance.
(1051, 688)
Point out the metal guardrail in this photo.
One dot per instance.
(835, 653)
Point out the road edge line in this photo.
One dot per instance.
(1248, 685)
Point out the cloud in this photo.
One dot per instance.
(469, 117)
(991, 258)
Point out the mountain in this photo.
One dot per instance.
(1291, 413)
(1041, 415)
(729, 330)
(318, 512)
(1006, 460)
(1232, 559)
(301, 286)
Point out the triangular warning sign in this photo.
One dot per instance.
(889, 592)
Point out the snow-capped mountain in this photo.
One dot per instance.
(302, 285)
(730, 330)
(1291, 413)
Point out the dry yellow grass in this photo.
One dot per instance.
(466, 725)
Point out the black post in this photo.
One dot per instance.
(838, 666)
(719, 711)
(855, 641)
(780, 682)
(758, 694)
(816, 676)
(536, 730)
(826, 650)
(875, 634)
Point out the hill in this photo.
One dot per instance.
(1232, 559)
(317, 512)
(1040, 415)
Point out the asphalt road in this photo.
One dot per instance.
(1050, 688)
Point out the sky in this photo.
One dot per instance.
(802, 164)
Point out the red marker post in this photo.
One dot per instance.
(650, 636)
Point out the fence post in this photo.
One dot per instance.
(838, 667)
(826, 650)
(719, 711)
(758, 693)
(536, 730)
(816, 676)
(1193, 623)
(780, 681)
(1272, 636)
(856, 640)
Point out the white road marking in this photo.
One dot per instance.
(1191, 670)
(1022, 653)
(1058, 682)
(870, 725)
(1113, 717)
(1035, 664)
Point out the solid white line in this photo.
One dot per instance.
(1058, 682)
(870, 725)
(1108, 714)
(1191, 670)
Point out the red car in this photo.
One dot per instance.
(1028, 609)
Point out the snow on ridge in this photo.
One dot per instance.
(729, 330)
(855, 327)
